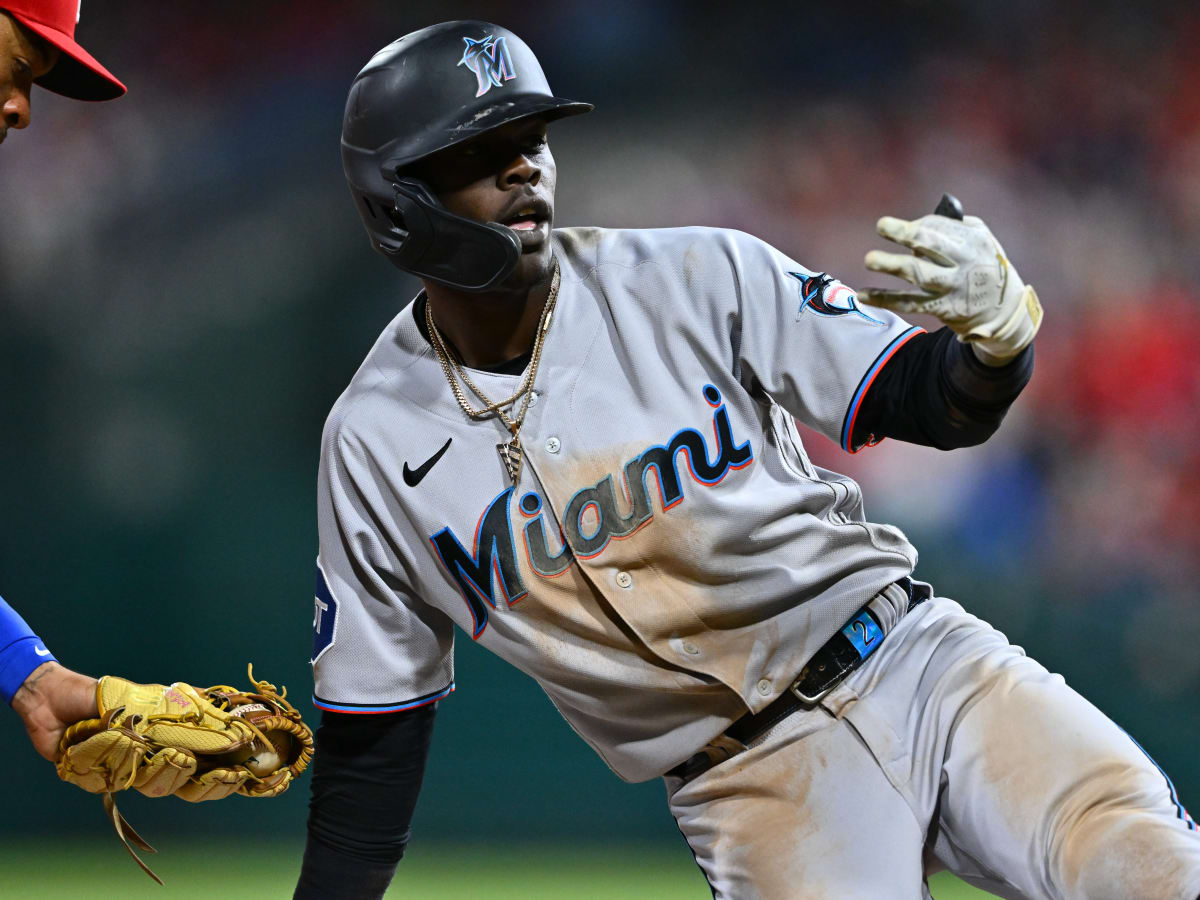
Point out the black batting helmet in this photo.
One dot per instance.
(427, 91)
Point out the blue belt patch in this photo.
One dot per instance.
(864, 633)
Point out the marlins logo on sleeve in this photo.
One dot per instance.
(826, 297)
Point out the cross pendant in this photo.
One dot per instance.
(512, 456)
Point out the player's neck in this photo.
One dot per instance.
(487, 329)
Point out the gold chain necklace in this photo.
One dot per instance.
(510, 451)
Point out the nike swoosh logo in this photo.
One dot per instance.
(412, 477)
(41, 651)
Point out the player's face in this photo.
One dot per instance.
(22, 58)
(505, 176)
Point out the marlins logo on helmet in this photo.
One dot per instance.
(489, 60)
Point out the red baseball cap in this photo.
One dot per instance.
(76, 74)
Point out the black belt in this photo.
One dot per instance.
(837, 658)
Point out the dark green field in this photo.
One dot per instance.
(101, 871)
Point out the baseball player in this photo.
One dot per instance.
(578, 446)
(37, 46)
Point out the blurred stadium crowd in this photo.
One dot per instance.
(187, 287)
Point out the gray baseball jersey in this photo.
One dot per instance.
(670, 556)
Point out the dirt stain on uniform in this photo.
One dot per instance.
(783, 818)
(1074, 795)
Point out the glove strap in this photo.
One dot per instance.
(1014, 334)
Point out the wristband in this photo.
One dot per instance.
(21, 651)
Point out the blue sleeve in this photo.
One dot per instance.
(21, 651)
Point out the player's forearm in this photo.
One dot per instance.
(936, 392)
(331, 874)
(46, 696)
(70, 695)
(51, 698)
(366, 778)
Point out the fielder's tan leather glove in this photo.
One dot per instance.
(966, 281)
(197, 744)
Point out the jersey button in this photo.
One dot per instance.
(533, 398)
(690, 648)
(553, 445)
(624, 579)
(764, 687)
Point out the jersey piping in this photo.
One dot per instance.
(865, 385)
(375, 708)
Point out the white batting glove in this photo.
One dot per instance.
(966, 281)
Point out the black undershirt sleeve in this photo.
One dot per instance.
(934, 391)
(366, 777)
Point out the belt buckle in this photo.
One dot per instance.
(810, 700)
(841, 655)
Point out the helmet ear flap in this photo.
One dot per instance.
(417, 190)
(385, 228)
(410, 217)
(420, 236)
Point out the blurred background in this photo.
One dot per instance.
(185, 289)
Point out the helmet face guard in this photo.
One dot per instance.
(427, 91)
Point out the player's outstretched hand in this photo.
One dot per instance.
(52, 698)
(965, 280)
